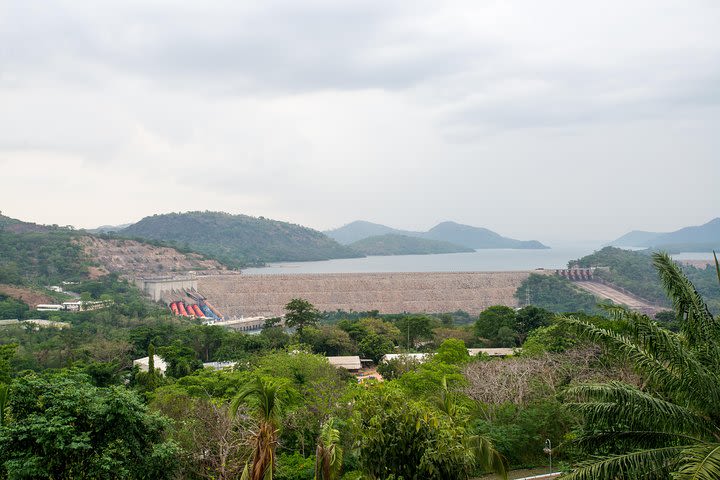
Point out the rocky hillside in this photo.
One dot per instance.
(132, 258)
(238, 240)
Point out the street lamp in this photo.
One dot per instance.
(548, 451)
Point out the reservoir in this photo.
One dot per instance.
(485, 260)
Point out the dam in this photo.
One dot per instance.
(432, 292)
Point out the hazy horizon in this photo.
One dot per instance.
(554, 121)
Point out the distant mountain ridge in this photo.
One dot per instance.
(696, 238)
(455, 233)
(238, 240)
(394, 244)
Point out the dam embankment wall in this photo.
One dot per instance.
(434, 292)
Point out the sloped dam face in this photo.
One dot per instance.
(436, 292)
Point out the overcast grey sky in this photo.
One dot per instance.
(526, 117)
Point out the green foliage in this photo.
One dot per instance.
(519, 432)
(329, 340)
(7, 352)
(238, 240)
(392, 244)
(670, 426)
(409, 439)
(374, 346)
(497, 325)
(293, 466)
(555, 294)
(392, 369)
(11, 308)
(300, 313)
(62, 427)
(453, 352)
(415, 327)
(40, 258)
(328, 453)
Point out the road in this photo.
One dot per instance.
(607, 292)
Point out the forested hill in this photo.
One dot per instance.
(700, 238)
(634, 271)
(476, 237)
(392, 244)
(462, 235)
(238, 240)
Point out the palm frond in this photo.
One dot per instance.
(700, 462)
(486, 457)
(614, 404)
(697, 324)
(686, 378)
(630, 440)
(646, 464)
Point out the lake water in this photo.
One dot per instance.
(486, 260)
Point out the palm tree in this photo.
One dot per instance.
(268, 398)
(669, 428)
(328, 454)
(481, 448)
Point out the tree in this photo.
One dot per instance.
(452, 351)
(492, 320)
(530, 318)
(268, 399)
(328, 454)
(410, 439)
(375, 347)
(670, 426)
(299, 314)
(413, 328)
(60, 426)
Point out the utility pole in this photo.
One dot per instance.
(548, 450)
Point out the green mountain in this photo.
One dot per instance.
(701, 238)
(238, 240)
(394, 244)
(451, 232)
(360, 229)
(477, 237)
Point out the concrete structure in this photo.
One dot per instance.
(219, 365)
(156, 287)
(243, 324)
(144, 364)
(267, 295)
(40, 323)
(351, 363)
(8, 323)
(493, 352)
(418, 357)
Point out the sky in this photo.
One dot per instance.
(546, 120)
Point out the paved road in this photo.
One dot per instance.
(607, 292)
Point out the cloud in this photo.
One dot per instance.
(322, 112)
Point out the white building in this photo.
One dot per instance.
(351, 363)
(144, 364)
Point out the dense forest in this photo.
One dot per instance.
(634, 271)
(238, 240)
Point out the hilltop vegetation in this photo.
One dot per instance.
(238, 240)
(634, 271)
(556, 294)
(455, 233)
(393, 244)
